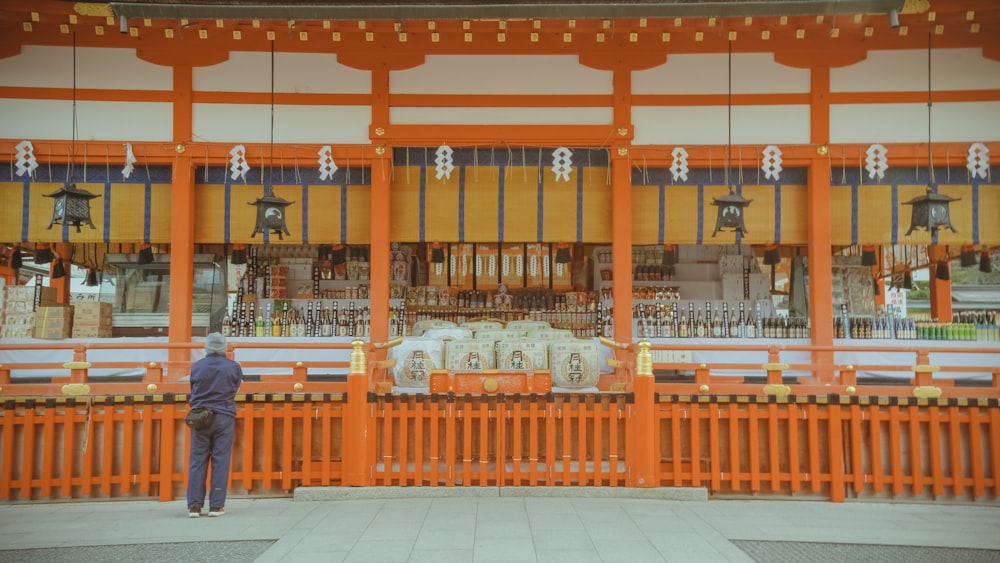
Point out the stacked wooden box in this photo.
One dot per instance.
(92, 320)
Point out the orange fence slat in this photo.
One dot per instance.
(955, 449)
(48, 451)
(975, 453)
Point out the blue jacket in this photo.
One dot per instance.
(214, 382)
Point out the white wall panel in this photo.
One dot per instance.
(293, 72)
(901, 71)
(110, 121)
(52, 67)
(907, 123)
(502, 116)
(754, 73)
(501, 74)
(708, 125)
(246, 123)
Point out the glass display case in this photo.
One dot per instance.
(142, 294)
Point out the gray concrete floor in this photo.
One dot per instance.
(492, 528)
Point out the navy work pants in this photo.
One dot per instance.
(216, 444)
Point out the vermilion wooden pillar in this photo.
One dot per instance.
(380, 214)
(820, 225)
(65, 252)
(182, 222)
(621, 242)
(940, 290)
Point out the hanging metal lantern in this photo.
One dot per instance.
(71, 206)
(271, 215)
(931, 211)
(730, 217)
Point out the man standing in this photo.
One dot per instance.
(214, 382)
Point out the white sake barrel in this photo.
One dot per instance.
(470, 355)
(522, 355)
(574, 364)
(415, 357)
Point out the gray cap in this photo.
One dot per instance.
(215, 344)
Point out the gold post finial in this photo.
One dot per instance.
(358, 363)
(644, 360)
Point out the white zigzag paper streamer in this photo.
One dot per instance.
(679, 166)
(979, 160)
(238, 163)
(562, 163)
(876, 162)
(26, 162)
(130, 160)
(771, 162)
(443, 163)
(326, 164)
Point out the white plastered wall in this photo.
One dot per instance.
(303, 73)
(96, 68)
(692, 75)
(906, 71)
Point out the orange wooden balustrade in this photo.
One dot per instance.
(514, 440)
(828, 434)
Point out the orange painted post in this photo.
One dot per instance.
(249, 415)
(835, 450)
(518, 445)
(713, 446)
(695, 440)
(875, 452)
(87, 464)
(794, 465)
(550, 443)
(128, 446)
(583, 415)
(916, 451)
(976, 453)
(643, 423)
(733, 426)
(435, 445)
(955, 453)
(28, 442)
(305, 476)
(820, 223)
(450, 447)
(565, 414)
(940, 290)
(813, 444)
(49, 447)
(403, 439)
(146, 459)
(614, 459)
(387, 414)
(287, 423)
(895, 455)
(357, 421)
(753, 446)
(676, 455)
(601, 409)
(68, 451)
(419, 415)
(267, 451)
(61, 285)
(856, 441)
(108, 446)
(467, 415)
(994, 448)
(621, 242)
(182, 221)
(502, 416)
(774, 446)
(934, 441)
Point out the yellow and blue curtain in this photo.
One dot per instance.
(135, 209)
(668, 211)
(332, 210)
(500, 195)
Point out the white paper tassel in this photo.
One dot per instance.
(326, 164)
(26, 163)
(130, 161)
(238, 163)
